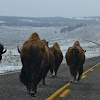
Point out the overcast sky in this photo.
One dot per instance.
(50, 8)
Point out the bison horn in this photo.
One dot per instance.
(4, 51)
(18, 49)
(84, 50)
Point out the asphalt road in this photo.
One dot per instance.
(87, 89)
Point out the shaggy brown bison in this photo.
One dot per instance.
(1, 51)
(75, 58)
(50, 62)
(58, 59)
(34, 57)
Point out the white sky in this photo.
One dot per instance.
(50, 8)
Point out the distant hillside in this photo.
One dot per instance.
(46, 21)
(72, 28)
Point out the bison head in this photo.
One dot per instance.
(45, 42)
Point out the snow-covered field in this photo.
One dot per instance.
(10, 37)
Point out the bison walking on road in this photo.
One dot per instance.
(34, 57)
(50, 62)
(58, 59)
(75, 58)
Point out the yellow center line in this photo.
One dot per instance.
(91, 68)
(65, 93)
(83, 76)
(68, 84)
(58, 91)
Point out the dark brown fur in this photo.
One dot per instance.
(58, 58)
(1, 51)
(34, 57)
(50, 62)
(75, 58)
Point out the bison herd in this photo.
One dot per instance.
(38, 59)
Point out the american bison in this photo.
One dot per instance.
(75, 58)
(58, 59)
(1, 51)
(50, 62)
(34, 57)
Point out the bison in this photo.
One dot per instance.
(34, 57)
(58, 59)
(75, 58)
(50, 62)
(1, 51)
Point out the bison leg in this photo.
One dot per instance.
(72, 79)
(80, 72)
(55, 70)
(44, 74)
(51, 72)
(39, 77)
(73, 75)
(33, 86)
(28, 87)
(33, 90)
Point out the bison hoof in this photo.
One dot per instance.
(51, 76)
(76, 82)
(71, 81)
(32, 94)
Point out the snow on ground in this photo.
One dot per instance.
(10, 61)
(17, 35)
(4, 69)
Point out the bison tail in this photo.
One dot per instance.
(75, 52)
